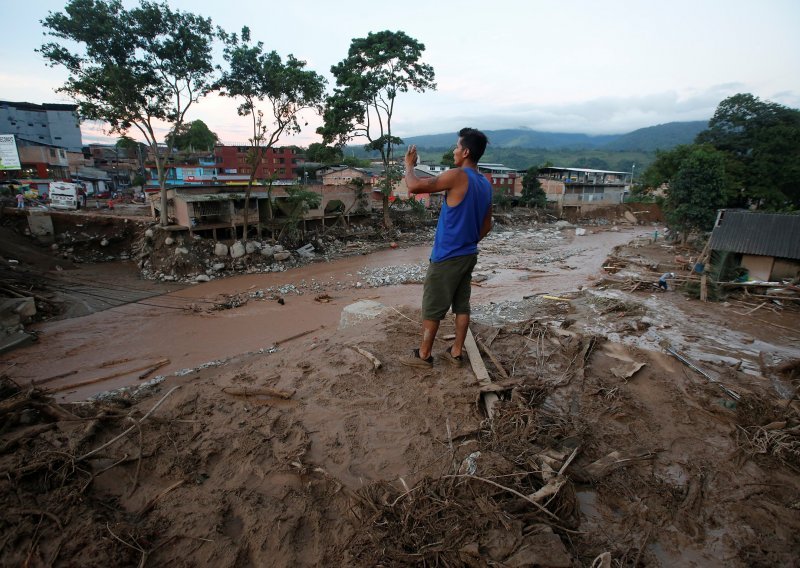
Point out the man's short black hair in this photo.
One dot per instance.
(475, 141)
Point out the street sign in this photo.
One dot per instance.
(9, 157)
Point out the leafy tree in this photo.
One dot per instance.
(591, 163)
(532, 192)
(323, 154)
(137, 149)
(354, 162)
(664, 167)
(448, 159)
(761, 140)
(501, 200)
(377, 68)
(696, 191)
(193, 136)
(134, 68)
(253, 77)
(298, 202)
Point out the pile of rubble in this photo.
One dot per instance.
(162, 256)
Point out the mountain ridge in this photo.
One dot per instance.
(647, 139)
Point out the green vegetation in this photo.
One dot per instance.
(296, 205)
(322, 154)
(650, 139)
(532, 193)
(256, 78)
(195, 136)
(523, 158)
(377, 68)
(696, 191)
(761, 143)
(132, 68)
(748, 157)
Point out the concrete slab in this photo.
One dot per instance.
(14, 340)
(360, 311)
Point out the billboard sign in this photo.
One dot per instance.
(9, 157)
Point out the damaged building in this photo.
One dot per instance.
(766, 244)
(218, 211)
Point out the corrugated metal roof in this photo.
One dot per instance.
(585, 170)
(227, 196)
(765, 234)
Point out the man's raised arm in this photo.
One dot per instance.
(449, 179)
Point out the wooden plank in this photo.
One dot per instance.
(489, 398)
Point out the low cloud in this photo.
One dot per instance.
(602, 115)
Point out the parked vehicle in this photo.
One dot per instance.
(65, 195)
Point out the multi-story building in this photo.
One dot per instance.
(228, 166)
(580, 189)
(283, 163)
(48, 124)
(503, 179)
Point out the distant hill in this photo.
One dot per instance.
(663, 136)
(519, 138)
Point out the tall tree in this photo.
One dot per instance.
(256, 78)
(532, 192)
(377, 68)
(761, 140)
(448, 159)
(138, 68)
(697, 190)
(664, 167)
(195, 136)
(133, 148)
(322, 154)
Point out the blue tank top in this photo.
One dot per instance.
(459, 228)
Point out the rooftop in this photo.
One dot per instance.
(757, 233)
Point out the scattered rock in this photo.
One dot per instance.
(202, 278)
(238, 250)
(282, 255)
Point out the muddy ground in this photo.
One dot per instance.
(272, 440)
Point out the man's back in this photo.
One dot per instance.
(459, 227)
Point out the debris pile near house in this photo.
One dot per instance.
(163, 255)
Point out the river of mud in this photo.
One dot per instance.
(185, 329)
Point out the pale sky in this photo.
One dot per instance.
(591, 66)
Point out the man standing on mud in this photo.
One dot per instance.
(465, 218)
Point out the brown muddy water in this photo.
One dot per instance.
(81, 356)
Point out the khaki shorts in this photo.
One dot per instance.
(447, 283)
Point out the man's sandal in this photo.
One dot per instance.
(454, 360)
(414, 360)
